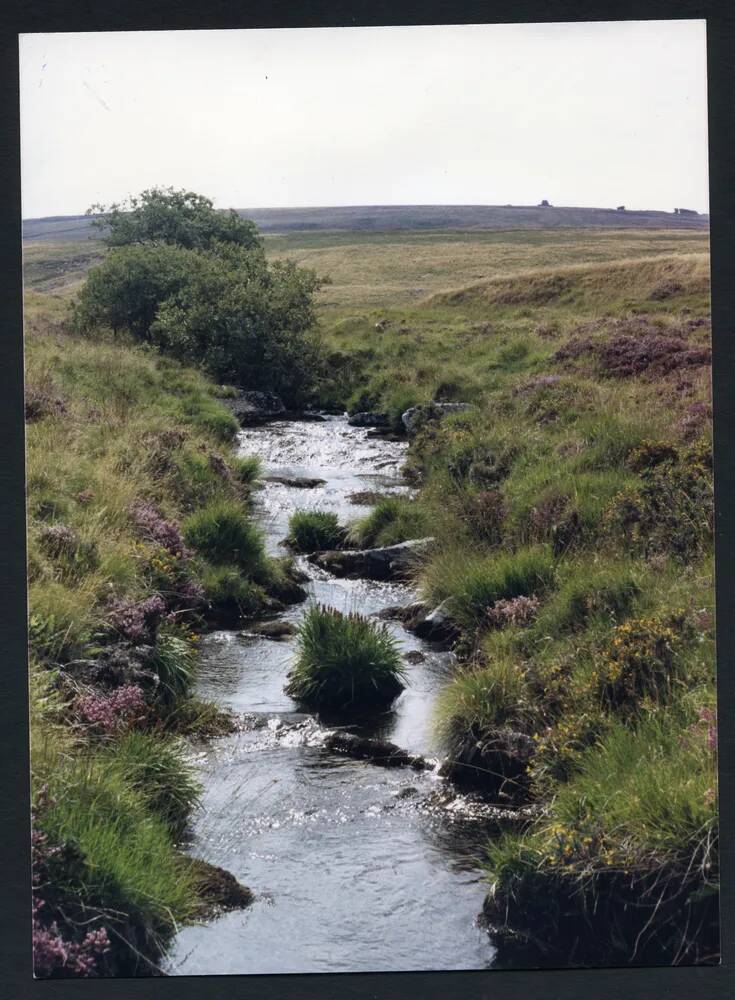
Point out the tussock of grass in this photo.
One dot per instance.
(224, 534)
(479, 699)
(158, 769)
(230, 593)
(314, 530)
(392, 520)
(344, 662)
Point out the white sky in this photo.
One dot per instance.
(582, 114)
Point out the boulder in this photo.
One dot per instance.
(255, 407)
(272, 630)
(217, 889)
(297, 482)
(436, 626)
(379, 752)
(415, 417)
(368, 419)
(389, 563)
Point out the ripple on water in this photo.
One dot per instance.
(355, 867)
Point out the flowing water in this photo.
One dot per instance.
(355, 867)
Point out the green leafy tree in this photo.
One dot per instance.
(196, 282)
(248, 321)
(179, 218)
(126, 290)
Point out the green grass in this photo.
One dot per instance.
(587, 591)
(480, 699)
(314, 530)
(126, 858)
(225, 535)
(158, 769)
(392, 520)
(471, 583)
(230, 593)
(344, 662)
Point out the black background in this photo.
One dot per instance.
(17, 17)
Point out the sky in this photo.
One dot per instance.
(586, 114)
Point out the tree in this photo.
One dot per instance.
(125, 291)
(179, 218)
(247, 321)
(197, 284)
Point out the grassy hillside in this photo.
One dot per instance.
(572, 507)
(385, 218)
(139, 533)
(572, 504)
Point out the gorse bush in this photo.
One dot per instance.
(314, 530)
(224, 534)
(344, 662)
(638, 663)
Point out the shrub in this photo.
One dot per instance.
(126, 291)
(247, 320)
(392, 520)
(638, 663)
(672, 510)
(224, 534)
(175, 218)
(313, 530)
(108, 714)
(517, 612)
(159, 770)
(133, 621)
(154, 528)
(471, 584)
(344, 662)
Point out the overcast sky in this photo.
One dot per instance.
(582, 114)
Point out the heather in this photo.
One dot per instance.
(140, 532)
(572, 505)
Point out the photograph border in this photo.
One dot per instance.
(17, 17)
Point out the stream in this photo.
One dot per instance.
(354, 867)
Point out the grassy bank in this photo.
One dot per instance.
(139, 534)
(572, 507)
